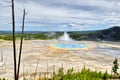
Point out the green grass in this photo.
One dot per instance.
(26, 36)
(84, 74)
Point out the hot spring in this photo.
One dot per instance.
(68, 43)
(70, 46)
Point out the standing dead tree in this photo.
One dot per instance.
(22, 35)
(17, 67)
(14, 44)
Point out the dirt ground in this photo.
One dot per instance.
(39, 57)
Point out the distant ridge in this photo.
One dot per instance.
(111, 34)
(35, 32)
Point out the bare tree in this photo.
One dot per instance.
(14, 44)
(16, 70)
(22, 35)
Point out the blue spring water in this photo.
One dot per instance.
(70, 46)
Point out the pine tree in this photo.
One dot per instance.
(105, 76)
(61, 73)
(115, 66)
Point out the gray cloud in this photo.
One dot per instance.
(90, 12)
(103, 6)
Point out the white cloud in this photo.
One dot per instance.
(74, 12)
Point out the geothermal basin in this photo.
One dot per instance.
(38, 53)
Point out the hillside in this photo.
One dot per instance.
(111, 34)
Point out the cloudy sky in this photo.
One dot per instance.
(61, 15)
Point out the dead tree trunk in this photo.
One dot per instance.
(14, 44)
(22, 35)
